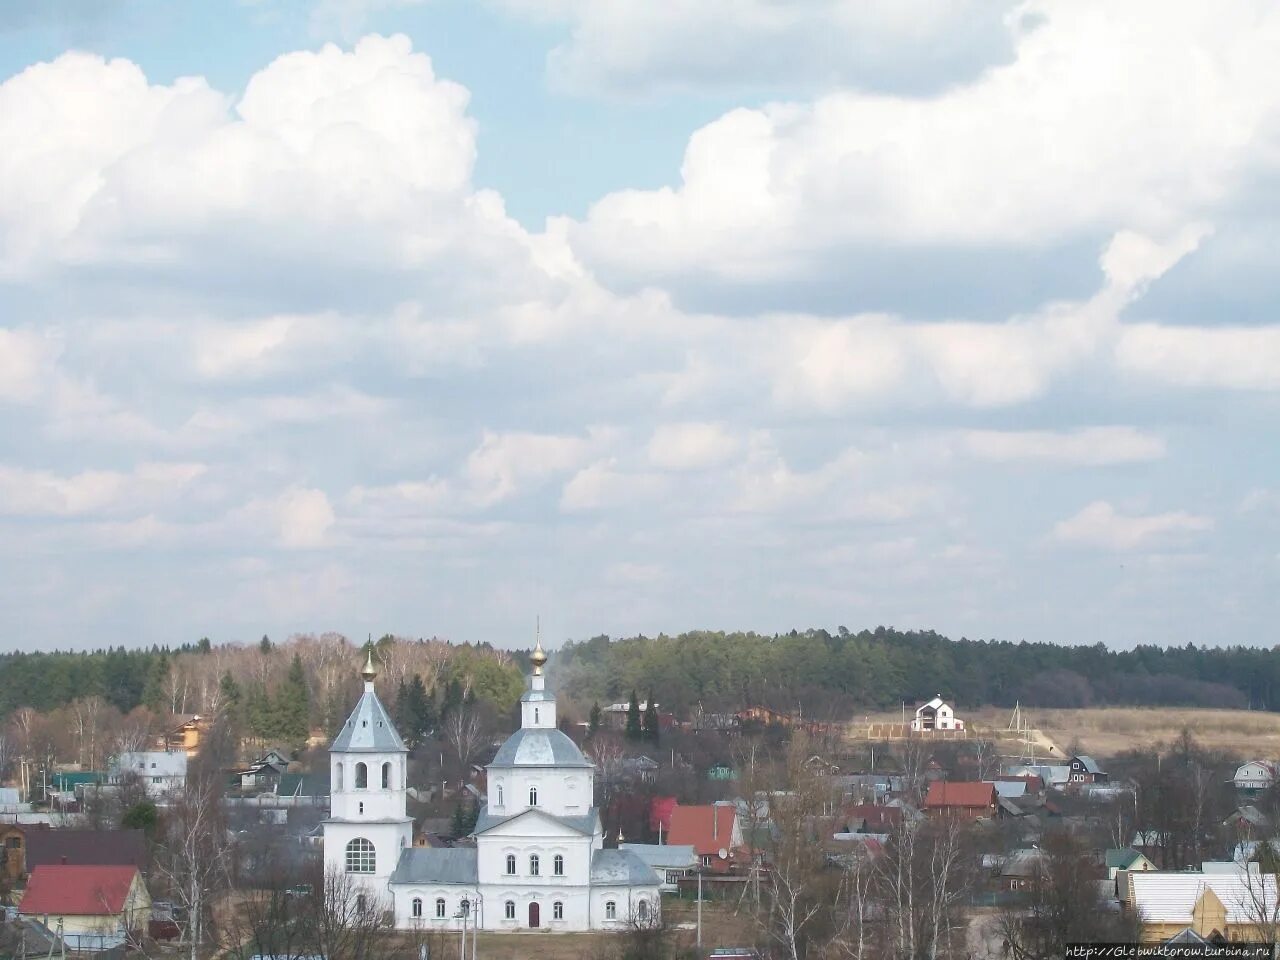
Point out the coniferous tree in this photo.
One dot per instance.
(634, 730)
(230, 690)
(651, 720)
(293, 705)
(153, 692)
(421, 716)
(593, 719)
(265, 646)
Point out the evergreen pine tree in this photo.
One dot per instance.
(593, 719)
(421, 716)
(265, 645)
(153, 691)
(293, 705)
(634, 731)
(458, 823)
(651, 720)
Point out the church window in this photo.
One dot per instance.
(360, 856)
(386, 776)
(511, 909)
(417, 906)
(338, 771)
(557, 910)
(511, 864)
(465, 908)
(439, 908)
(361, 904)
(642, 910)
(557, 865)
(499, 794)
(362, 777)
(533, 865)
(610, 910)
(362, 807)
(533, 796)
(535, 714)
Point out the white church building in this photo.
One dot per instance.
(539, 860)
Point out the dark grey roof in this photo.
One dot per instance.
(620, 868)
(436, 865)
(536, 747)
(1090, 764)
(666, 855)
(537, 696)
(587, 823)
(369, 729)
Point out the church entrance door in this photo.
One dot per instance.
(535, 918)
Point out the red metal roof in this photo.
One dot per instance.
(56, 889)
(660, 812)
(879, 818)
(962, 794)
(694, 825)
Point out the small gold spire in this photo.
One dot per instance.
(370, 672)
(539, 656)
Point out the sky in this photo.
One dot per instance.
(434, 317)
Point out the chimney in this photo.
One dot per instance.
(715, 821)
(64, 859)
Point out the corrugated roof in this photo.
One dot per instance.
(369, 729)
(1011, 789)
(1090, 764)
(77, 890)
(1121, 859)
(585, 823)
(87, 848)
(536, 747)
(620, 868)
(693, 825)
(1171, 897)
(436, 865)
(663, 855)
(960, 794)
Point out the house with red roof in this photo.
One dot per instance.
(660, 815)
(712, 830)
(971, 800)
(872, 818)
(87, 902)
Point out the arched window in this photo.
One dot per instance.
(642, 910)
(610, 910)
(362, 808)
(439, 908)
(361, 857)
(535, 715)
(511, 864)
(417, 906)
(557, 865)
(386, 776)
(338, 772)
(362, 776)
(511, 909)
(557, 911)
(362, 905)
(499, 794)
(465, 907)
(533, 796)
(533, 865)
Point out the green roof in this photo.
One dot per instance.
(302, 785)
(68, 780)
(1122, 859)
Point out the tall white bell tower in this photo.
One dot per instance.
(367, 828)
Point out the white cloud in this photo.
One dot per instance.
(26, 361)
(37, 493)
(691, 446)
(602, 485)
(1089, 446)
(1099, 525)
(629, 46)
(1038, 151)
(503, 462)
(304, 516)
(1229, 358)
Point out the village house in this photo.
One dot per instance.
(162, 772)
(1020, 868)
(714, 832)
(961, 800)
(874, 818)
(1235, 906)
(1127, 859)
(94, 907)
(937, 714)
(1248, 821)
(671, 862)
(86, 848)
(185, 736)
(1085, 770)
(1255, 776)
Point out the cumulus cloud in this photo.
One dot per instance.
(304, 516)
(1089, 446)
(1100, 525)
(691, 446)
(1228, 358)
(35, 493)
(630, 46)
(1038, 151)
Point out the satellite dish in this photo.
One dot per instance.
(722, 853)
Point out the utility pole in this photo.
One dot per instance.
(699, 910)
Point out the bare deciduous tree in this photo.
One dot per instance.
(465, 733)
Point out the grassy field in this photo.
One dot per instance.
(1106, 731)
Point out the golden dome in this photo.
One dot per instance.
(538, 658)
(370, 672)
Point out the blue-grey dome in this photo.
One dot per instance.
(535, 747)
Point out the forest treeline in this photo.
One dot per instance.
(833, 673)
(311, 681)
